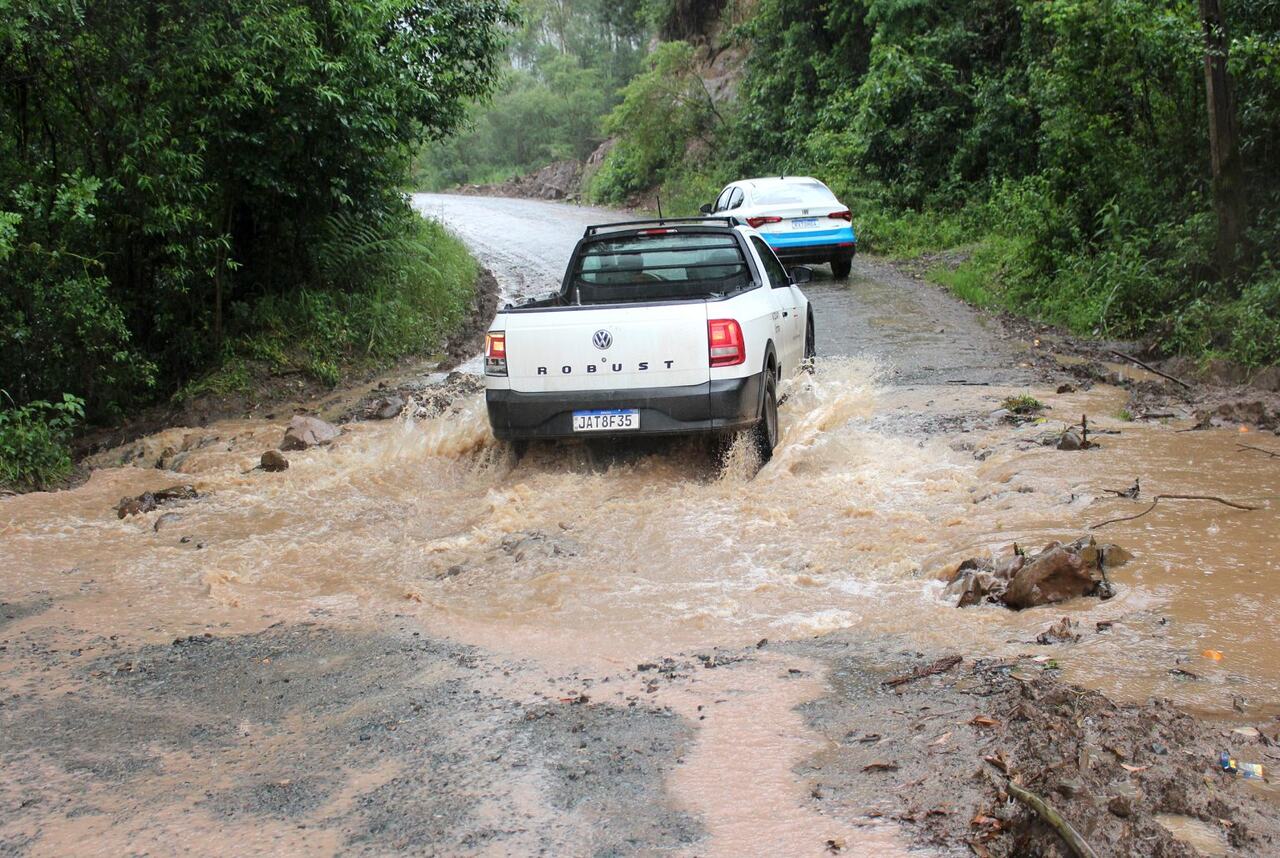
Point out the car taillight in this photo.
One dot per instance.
(844, 215)
(495, 353)
(657, 232)
(757, 222)
(725, 346)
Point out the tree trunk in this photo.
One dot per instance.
(1224, 141)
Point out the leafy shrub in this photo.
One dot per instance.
(140, 228)
(34, 441)
(665, 112)
(388, 286)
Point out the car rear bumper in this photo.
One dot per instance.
(815, 246)
(715, 406)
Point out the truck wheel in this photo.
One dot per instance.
(810, 348)
(765, 433)
(841, 266)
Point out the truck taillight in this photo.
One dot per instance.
(757, 222)
(725, 345)
(844, 215)
(495, 353)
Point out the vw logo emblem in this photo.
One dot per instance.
(602, 340)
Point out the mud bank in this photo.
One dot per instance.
(935, 755)
(275, 394)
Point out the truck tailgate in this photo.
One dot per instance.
(608, 348)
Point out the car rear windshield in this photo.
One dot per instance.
(793, 194)
(660, 267)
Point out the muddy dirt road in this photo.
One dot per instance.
(407, 642)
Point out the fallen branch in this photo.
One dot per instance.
(1150, 368)
(1132, 492)
(1272, 453)
(1156, 415)
(1159, 498)
(942, 665)
(1068, 834)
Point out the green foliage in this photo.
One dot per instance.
(34, 441)
(665, 112)
(165, 166)
(1060, 148)
(569, 60)
(389, 286)
(1023, 403)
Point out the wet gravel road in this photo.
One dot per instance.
(406, 644)
(917, 333)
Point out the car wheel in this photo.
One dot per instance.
(810, 348)
(841, 266)
(765, 433)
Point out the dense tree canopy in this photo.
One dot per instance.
(568, 59)
(1065, 144)
(165, 164)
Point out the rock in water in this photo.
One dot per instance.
(1057, 573)
(977, 581)
(386, 409)
(274, 461)
(1070, 441)
(1054, 576)
(305, 431)
(147, 501)
(1063, 631)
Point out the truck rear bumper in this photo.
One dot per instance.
(715, 406)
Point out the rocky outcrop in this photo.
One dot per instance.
(561, 180)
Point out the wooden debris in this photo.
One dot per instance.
(942, 665)
(1068, 834)
(1150, 368)
(1159, 498)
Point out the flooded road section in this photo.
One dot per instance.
(554, 580)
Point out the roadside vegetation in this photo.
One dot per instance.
(1059, 153)
(567, 62)
(189, 192)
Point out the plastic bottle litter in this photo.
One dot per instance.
(1231, 766)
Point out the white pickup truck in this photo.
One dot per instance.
(660, 327)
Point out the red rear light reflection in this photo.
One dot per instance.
(725, 345)
(495, 353)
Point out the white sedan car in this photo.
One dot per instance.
(797, 215)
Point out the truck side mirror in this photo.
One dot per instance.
(705, 208)
(800, 274)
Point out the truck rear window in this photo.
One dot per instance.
(661, 267)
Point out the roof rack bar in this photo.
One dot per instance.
(727, 220)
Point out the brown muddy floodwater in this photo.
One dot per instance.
(594, 558)
(587, 556)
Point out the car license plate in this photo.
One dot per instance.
(614, 420)
(804, 222)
